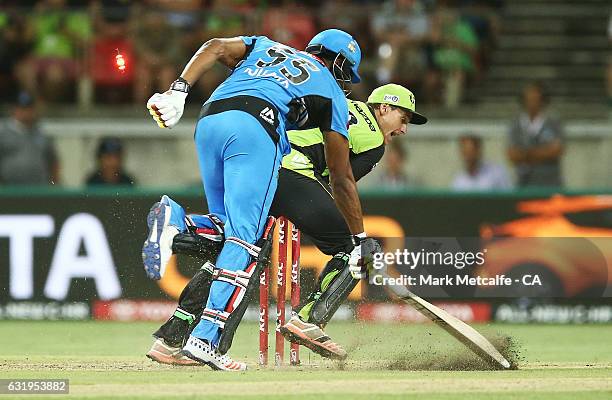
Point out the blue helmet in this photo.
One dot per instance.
(339, 42)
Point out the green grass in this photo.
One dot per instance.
(106, 360)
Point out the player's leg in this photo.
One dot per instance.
(171, 336)
(198, 234)
(171, 232)
(308, 203)
(168, 230)
(201, 236)
(250, 163)
(165, 220)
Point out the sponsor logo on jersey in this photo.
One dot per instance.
(267, 114)
(352, 119)
(300, 160)
(365, 117)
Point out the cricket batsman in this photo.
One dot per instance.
(306, 198)
(240, 140)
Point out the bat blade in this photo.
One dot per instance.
(457, 328)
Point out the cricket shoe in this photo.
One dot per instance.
(313, 337)
(166, 354)
(199, 350)
(165, 220)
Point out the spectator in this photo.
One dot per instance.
(227, 18)
(14, 48)
(609, 73)
(27, 157)
(110, 165)
(456, 45)
(224, 18)
(291, 24)
(354, 17)
(112, 14)
(59, 36)
(483, 17)
(157, 53)
(111, 18)
(393, 176)
(478, 174)
(184, 16)
(536, 141)
(402, 28)
(346, 15)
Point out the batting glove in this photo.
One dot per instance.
(167, 108)
(362, 256)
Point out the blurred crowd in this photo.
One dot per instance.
(609, 69)
(59, 51)
(535, 145)
(65, 51)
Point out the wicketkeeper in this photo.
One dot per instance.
(305, 197)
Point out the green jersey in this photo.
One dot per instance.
(366, 143)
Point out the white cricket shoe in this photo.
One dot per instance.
(201, 351)
(164, 220)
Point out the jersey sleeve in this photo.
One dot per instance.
(249, 40)
(363, 163)
(325, 113)
(340, 116)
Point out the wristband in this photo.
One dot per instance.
(180, 85)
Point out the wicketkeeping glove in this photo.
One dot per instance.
(362, 256)
(167, 108)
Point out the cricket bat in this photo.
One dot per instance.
(459, 329)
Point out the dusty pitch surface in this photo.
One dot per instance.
(104, 360)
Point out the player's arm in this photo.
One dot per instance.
(346, 197)
(167, 108)
(342, 181)
(363, 163)
(227, 51)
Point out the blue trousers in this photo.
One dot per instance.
(239, 166)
